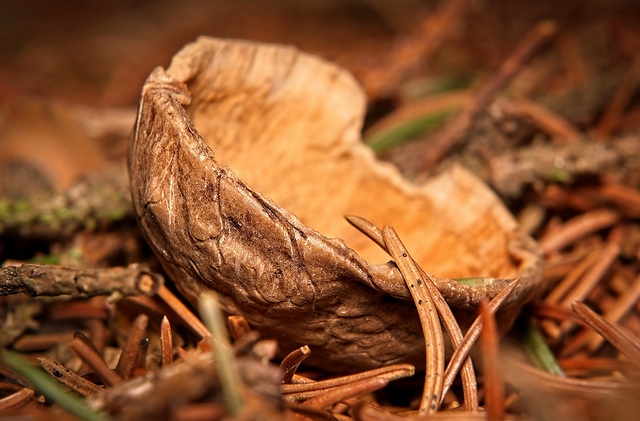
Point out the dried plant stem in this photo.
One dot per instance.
(95, 361)
(549, 122)
(181, 310)
(238, 327)
(626, 198)
(469, 383)
(51, 389)
(528, 377)
(610, 332)
(461, 353)
(130, 352)
(626, 302)
(68, 377)
(576, 69)
(382, 81)
(44, 280)
(40, 341)
(15, 400)
(458, 126)
(290, 363)
(338, 394)
(593, 276)
(166, 342)
(95, 308)
(564, 287)
(585, 365)
(613, 115)
(429, 320)
(577, 228)
(303, 412)
(493, 382)
(310, 389)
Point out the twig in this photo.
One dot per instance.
(68, 377)
(566, 285)
(43, 280)
(459, 125)
(528, 377)
(341, 393)
(95, 360)
(40, 341)
(181, 310)
(238, 327)
(461, 353)
(493, 382)
(429, 320)
(626, 302)
(593, 275)
(290, 363)
(576, 69)
(468, 375)
(307, 390)
(51, 389)
(585, 365)
(547, 121)
(577, 228)
(304, 412)
(166, 342)
(140, 363)
(383, 80)
(610, 332)
(15, 400)
(613, 115)
(129, 353)
(95, 308)
(626, 198)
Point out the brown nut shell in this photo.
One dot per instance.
(286, 126)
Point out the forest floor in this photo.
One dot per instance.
(540, 100)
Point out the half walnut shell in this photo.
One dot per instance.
(262, 221)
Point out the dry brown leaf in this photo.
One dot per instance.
(43, 146)
(288, 125)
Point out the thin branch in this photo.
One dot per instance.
(493, 382)
(183, 312)
(577, 228)
(469, 383)
(44, 280)
(68, 377)
(429, 320)
(459, 125)
(609, 121)
(290, 363)
(338, 394)
(166, 342)
(307, 390)
(610, 332)
(460, 353)
(95, 361)
(129, 353)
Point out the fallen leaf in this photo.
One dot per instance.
(287, 125)
(42, 147)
